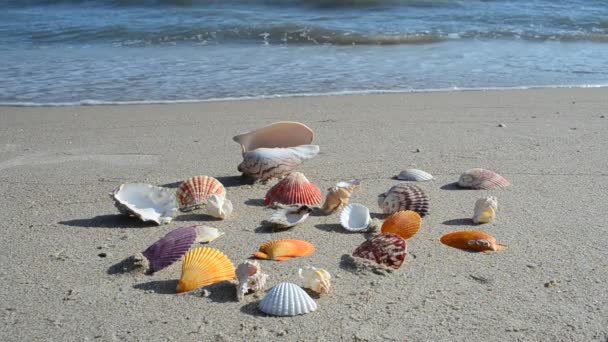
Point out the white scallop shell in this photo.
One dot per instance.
(355, 217)
(265, 163)
(218, 207)
(287, 299)
(251, 278)
(207, 234)
(316, 279)
(485, 210)
(290, 216)
(414, 175)
(145, 201)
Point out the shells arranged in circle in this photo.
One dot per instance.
(339, 195)
(281, 250)
(472, 241)
(294, 189)
(266, 163)
(287, 299)
(194, 192)
(204, 266)
(170, 248)
(482, 179)
(146, 202)
(355, 217)
(251, 278)
(386, 249)
(289, 216)
(403, 223)
(404, 197)
(316, 279)
(414, 175)
(485, 210)
(278, 134)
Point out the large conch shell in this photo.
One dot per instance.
(251, 278)
(316, 279)
(485, 210)
(339, 196)
(266, 163)
(146, 202)
(278, 134)
(218, 207)
(287, 299)
(289, 216)
(472, 241)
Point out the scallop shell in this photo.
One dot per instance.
(386, 249)
(294, 189)
(170, 248)
(287, 299)
(266, 163)
(403, 223)
(414, 175)
(251, 278)
(404, 197)
(316, 279)
(482, 179)
(355, 217)
(194, 191)
(281, 250)
(338, 196)
(207, 234)
(472, 241)
(290, 216)
(145, 201)
(218, 207)
(485, 210)
(204, 266)
(278, 134)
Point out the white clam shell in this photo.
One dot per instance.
(218, 207)
(286, 217)
(485, 210)
(355, 217)
(207, 234)
(251, 278)
(145, 201)
(265, 163)
(316, 279)
(414, 175)
(287, 299)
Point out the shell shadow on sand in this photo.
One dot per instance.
(220, 293)
(459, 222)
(452, 186)
(108, 221)
(251, 309)
(227, 182)
(127, 265)
(195, 217)
(158, 286)
(256, 202)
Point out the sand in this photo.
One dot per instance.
(57, 166)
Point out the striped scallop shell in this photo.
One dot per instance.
(355, 217)
(170, 248)
(403, 223)
(294, 189)
(472, 241)
(281, 250)
(414, 175)
(404, 197)
(266, 163)
(287, 299)
(193, 192)
(386, 249)
(482, 179)
(204, 266)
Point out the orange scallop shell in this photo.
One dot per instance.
(472, 241)
(282, 250)
(404, 223)
(204, 266)
(194, 191)
(294, 189)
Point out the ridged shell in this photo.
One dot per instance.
(281, 250)
(404, 197)
(472, 241)
(207, 234)
(170, 248)
(355, 217)
(386, 249)
(414, 175)
(251, 278)
(403, 223)
(287, 217)
(287, 299)
(204, 266)
(485, 210)
(278, 134)
(266, 163)
(193, 192)
(146, 202)
(338, 196)
(218, 207)
(294, 189)
(316, 279)
(482, 179)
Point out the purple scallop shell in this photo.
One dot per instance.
(170, 248)
(386, 249)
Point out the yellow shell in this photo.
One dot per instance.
(405, 223)
(472, 241)
(282, 250)
(204, 266)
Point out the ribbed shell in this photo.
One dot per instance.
(482, 179)
(282, 250)
(170, 248)
(204, 266)
(355, 217)
(294, 189)
(404, 197)
(472, 241)
(403, 223)
(414, 175)
(287, 299)
(193, 192)
(386, 249)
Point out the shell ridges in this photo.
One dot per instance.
(287, 299)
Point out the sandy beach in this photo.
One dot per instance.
(61, 231)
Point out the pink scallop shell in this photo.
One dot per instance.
(482, 179)
(386, 249)
(193, 192)
(294, 189)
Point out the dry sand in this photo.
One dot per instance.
(57, 166)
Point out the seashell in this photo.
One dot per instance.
(386, 249)
(316, 279)
(204, 266)
(281, 250)
(207, 234)
(145, 201)
(485, 210)
(339, 195)
(472, 241)
(403, 223)
(404, 197)
(287, 299)
(294, 189)
(218, 207)
(278, 134)
(414, 175)
(290, 216)
(194, 192)
(266, 163)
(355, 217)
(482, 179)
(251, 278)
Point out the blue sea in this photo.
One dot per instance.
(61, 52)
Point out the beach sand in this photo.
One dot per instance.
(57, 166)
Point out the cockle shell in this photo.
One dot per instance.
(287, 299)
(472, 241)
(386, 249)
(194, 192)
(403, 223)
(414, 175)
(204, 266)
(289, 216)
(485, 210)
(482, 179)
(251, 278)
(266, 163)
(355, 217)
(281, 250)
(207, 234)
(218, 207)
(404, 197)
(294, 189)
(145, 201)
(316, 279)
(339, 196)
(278, 134)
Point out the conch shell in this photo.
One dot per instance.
(266, 163)
(485, 210)
(316, 279)
(278, 134)
(339, 195)
(251, 278)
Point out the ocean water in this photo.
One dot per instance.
(132, 51)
